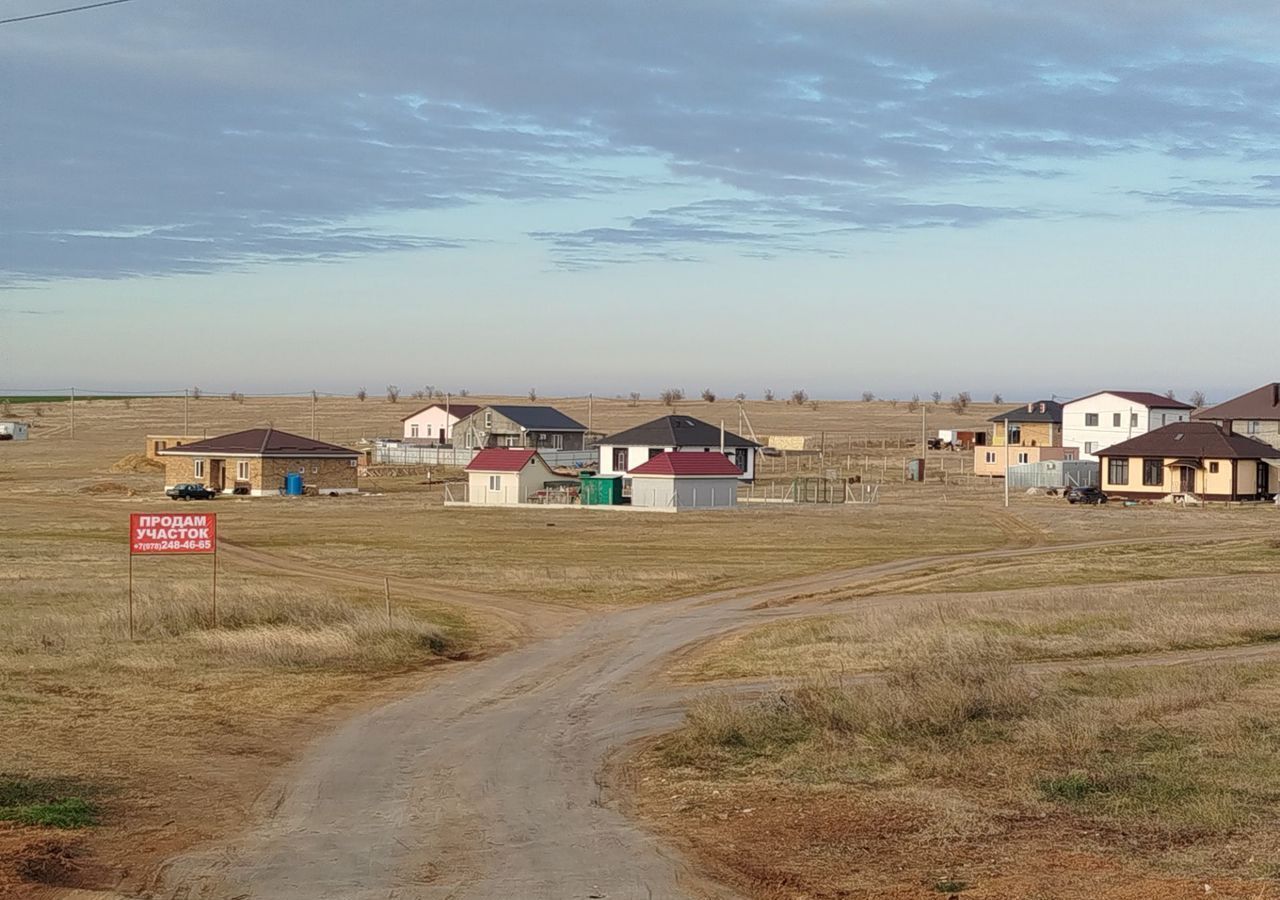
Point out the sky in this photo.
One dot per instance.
(1015, 196)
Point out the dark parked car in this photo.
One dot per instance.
(190, 492)
(1086, 495)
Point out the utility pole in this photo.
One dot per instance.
(924, 440)
(590, 404)
(73, 414)
(313, 414)
(1006, 461)
(186, 422)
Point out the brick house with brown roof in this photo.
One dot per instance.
(255, 462)
(1255, 414)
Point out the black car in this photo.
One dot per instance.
(190, 492)
(1086, 495)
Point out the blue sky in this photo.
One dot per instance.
(985, 195)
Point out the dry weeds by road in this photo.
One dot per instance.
(487, 783)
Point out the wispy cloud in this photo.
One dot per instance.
(179, 138)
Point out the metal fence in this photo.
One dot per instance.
(1059, 473)
(397, 454)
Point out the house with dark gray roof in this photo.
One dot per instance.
(1030, 433)
(1255, 414)
(509, 425)
(1198, 460)
(626, 450)
(257, 462)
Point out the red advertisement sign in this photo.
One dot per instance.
(172, 533)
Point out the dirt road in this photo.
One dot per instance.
(485, 785)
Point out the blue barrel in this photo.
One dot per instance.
(293, 484)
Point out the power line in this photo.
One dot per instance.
(61, 12)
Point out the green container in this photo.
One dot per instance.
(601, 490)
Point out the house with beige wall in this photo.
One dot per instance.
(1030, 433)
(509, 476)
(1197, 460)
(257, 461)
(1255, 414)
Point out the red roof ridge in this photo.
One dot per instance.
(707, 463)
(502, 459)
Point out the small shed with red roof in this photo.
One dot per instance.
(684, 479)
(508, 476)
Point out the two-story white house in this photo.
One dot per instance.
(1097, 421)
(434, 424)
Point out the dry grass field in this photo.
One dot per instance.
(164, 741)
(996, 728)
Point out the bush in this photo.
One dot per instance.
(708, 395)
(768, 394)
(799, 397)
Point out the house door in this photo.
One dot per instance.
(216, 474)
(740, 459)
(442, 435)
(1264, 478)
(1188, 480)
(619, 459)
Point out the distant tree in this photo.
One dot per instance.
(800, 397)
(960, 402)
(768, 394)
(1170, 394)
(236, 396)
(996, 398)
(708, 395)
(533, 395)
(361, 394)
(635, 398)
(965, 398)
(315, 395)
(196, 393)
(429, 391)
(740, 397)
(439, 394)
(1198, 399)
(813, 404)
(914, 404)
(894, 403)
(419, 394)
(464, 393)
(671, 396)
(937, 397)
(393, 393)
(867, 396)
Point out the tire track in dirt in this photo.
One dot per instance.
(487, 783)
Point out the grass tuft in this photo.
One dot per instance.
(47, 802)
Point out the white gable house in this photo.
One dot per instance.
(1094, 423)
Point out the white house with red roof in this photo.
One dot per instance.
(1099, 420)
(434, 424)
(685, 479)
(509, 476)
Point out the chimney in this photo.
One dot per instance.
(1041, 406)
(1031, 407)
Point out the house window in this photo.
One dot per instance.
(741, 459)
(1090, 447)
(619, 459)
(1091, 420)
(488, 420)
(1213, 468)
(1153, 472)
(1255, 427)
(315, 468)
(495, 482)
(1164, 418)
(1024, 457)
(242, 470)
(557, 441)
(413, 431)
(1133, 420)
(991, 457)
(1115, 420)
(197, 468)
(1015, 434)
(1118, 471)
